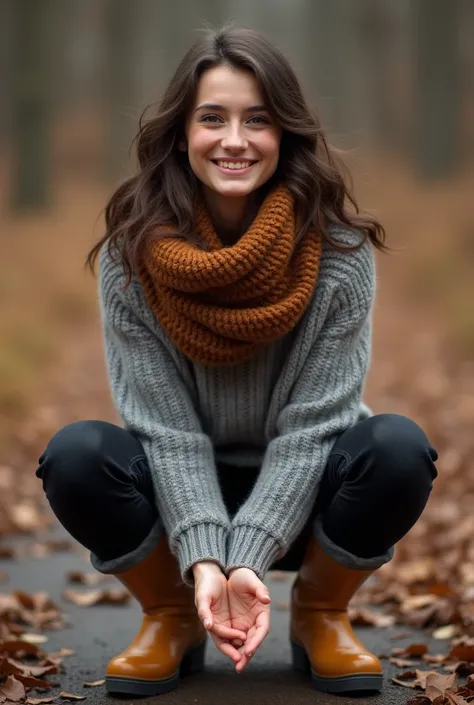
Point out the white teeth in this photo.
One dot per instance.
(233, 165)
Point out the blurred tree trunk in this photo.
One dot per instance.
(121, 110)
(332, 63)
(31, 119)
(376, 27)
(437, 88)
(6, 7)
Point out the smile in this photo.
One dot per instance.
(233, 166)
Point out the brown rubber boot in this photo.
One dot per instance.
(171, 640)
(322, 639)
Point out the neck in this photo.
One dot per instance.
(231, 217)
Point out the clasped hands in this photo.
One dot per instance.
(234, 610)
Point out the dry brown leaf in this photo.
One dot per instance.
(39, 701)
(34, 638)
(462, 668)
(363, 616)
(19, 646)
(93, 684)
(12, 689)
(415, 602)
(111, 596)
(461, 652)
(71, 696)
(33, 682)
(449, 631)
(87, 578)
(402, 662)
(415, 649)
(404, 683)
(437, 680)
(437, 684)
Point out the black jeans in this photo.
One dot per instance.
(374, 488)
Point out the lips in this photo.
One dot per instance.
(235, 164)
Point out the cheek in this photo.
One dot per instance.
(199, 142)
(269, 146)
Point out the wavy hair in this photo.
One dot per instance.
(162, 192)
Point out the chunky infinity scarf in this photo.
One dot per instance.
(221, 305)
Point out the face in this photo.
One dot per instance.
(233, 142)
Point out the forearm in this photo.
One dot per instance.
(155, 405)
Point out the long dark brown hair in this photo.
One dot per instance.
(163, 191)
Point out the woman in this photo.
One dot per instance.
(236, 289)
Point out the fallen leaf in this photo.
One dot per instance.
(438, 680)
(405, 684)
(449, 631)
(461, 652)
(71, 696)
(363, 616)
(93, 684)
(12, 689)
(86, 578)
(401, 662)
(111, 596)
(437, 684)
(34, 638)
(411, 650)
(39, 701)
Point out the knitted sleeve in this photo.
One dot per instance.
(323, 403)
(154, 402)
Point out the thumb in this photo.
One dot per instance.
(204, 611)
(262, 593)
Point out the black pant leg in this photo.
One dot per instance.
(376, 484)
(96, 478)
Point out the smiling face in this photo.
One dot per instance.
(233, 142)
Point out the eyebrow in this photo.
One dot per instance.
(214, 106)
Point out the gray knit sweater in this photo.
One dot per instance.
(282, 411)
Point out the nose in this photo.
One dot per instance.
(234, 140)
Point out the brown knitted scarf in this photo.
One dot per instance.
(220, 305)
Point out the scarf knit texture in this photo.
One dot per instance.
(279, 413)
(221, 305)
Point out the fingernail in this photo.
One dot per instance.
(207, 623)
(250, 654)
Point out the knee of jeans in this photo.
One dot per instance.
(402, 449)
(72, 456)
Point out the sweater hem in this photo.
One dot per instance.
(252, 548)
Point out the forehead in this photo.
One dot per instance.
(228, 86)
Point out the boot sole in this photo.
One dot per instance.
(192, 662)
(340, 684)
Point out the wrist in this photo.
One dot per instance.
(206, 567)
(234, 570)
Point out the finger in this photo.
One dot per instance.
(227, 649)
(256, 638)
(237, 643)
(228, 633)
(243, 661)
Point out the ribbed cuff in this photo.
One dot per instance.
(201, 542)
(131, 559)
(252, 548)
(349, 560)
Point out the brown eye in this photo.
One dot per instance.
(210, 118)
(261, 120)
